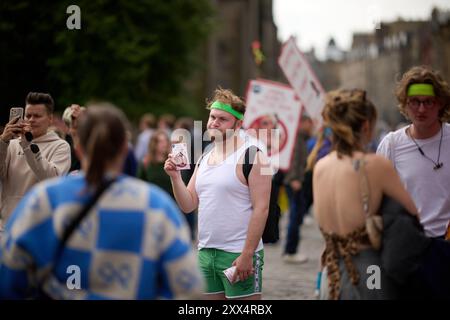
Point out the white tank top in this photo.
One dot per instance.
(225, 205)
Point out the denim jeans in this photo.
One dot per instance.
(296, 213)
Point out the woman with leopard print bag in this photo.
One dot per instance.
(353, 265)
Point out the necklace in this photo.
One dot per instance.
(437, 165)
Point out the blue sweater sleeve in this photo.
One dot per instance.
(26, 246)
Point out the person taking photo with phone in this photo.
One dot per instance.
(28, 153)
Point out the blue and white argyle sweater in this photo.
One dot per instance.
(133, 244)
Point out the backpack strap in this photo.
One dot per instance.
(250, 153)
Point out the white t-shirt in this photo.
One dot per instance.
(429, 188)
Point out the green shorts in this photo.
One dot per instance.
(213, 262)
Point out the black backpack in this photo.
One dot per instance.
(271, 231)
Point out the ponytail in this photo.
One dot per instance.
(101, 133)
(345, 139)
(97, 151)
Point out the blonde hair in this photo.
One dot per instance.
(345, 112)
(424, 74)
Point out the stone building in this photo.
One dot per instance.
(376, 60)
(228, 58)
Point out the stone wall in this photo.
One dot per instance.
(229, 60)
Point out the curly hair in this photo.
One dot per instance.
(424, 74)
(227, 96)
(345, 112)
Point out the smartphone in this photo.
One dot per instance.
(16, 113)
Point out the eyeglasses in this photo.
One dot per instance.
(427, 103)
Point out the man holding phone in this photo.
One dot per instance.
(28, 153)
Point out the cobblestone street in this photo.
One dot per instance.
(283, 281)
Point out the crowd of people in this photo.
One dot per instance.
(82, 192)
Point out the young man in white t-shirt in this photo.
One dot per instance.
(231, 212)
(420, 152)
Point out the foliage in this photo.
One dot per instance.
(137, 54)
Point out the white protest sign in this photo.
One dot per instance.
(302, 79)
(272, 105)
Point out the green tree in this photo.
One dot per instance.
(136, 54)
(26, 40)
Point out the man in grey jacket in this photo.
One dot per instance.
(34, 156)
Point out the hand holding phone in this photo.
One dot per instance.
(15, 113)
(13, 128)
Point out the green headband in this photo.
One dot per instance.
(421, 89)
(227, 108)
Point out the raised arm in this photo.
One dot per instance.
(58, 164)
(186, 197)
(12, 127)
(3, 153)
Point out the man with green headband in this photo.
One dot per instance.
(232, 210)
(420, 152)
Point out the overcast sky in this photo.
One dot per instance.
(313, 22)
